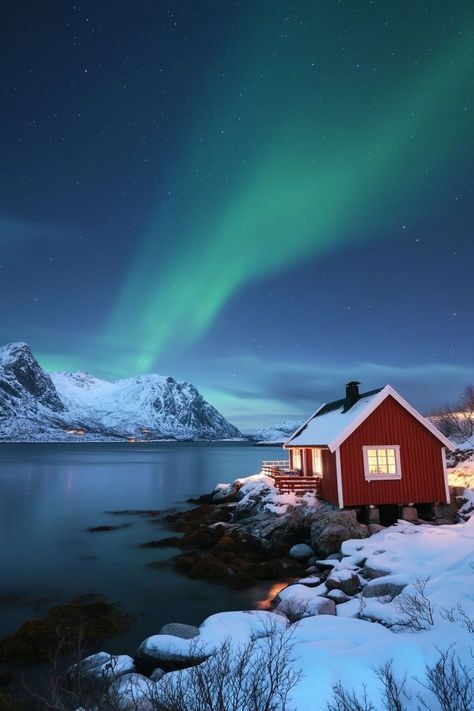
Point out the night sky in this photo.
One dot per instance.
(267, 199)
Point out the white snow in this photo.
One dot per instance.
(259, 491)
(132, 692)
(322, 429)
(345, 649)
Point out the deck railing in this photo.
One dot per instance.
(297, 484)
(273, 466)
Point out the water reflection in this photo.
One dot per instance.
(51, 494)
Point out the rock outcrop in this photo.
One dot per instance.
(331, 528)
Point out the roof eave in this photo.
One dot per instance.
(301, 427)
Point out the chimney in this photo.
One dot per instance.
(352, 394)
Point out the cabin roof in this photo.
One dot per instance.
(328, 421)
(330, 425)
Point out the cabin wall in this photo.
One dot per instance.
(328, 488)
(420, 457)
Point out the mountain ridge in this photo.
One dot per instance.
(65, 406)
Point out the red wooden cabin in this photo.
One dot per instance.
(372, 449)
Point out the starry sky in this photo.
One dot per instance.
(267, 199)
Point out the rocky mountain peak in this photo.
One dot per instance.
(21, 375)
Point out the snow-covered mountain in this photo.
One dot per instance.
(35, 406)
(274, 435)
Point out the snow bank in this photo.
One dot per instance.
(345, 649)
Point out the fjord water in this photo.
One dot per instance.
(50, 494)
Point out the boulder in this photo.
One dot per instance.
(311, 581)
(301, 551)
(178, 629)
(102, 667)
(383, 588)
(326, 564)
(338, 596)
(375, 528)
(344, 580)
(298, 601)
(331, 528)
(169, 653)
(133, 692)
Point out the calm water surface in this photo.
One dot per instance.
(50, 494)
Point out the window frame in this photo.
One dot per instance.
(382, 477)
(318, 450)
(298, 452)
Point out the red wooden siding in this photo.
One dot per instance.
(328, 489)
(309, 462)
(420, 454)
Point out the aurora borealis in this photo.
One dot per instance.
(264, 199)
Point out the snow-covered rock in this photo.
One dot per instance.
(338, 596)
(383, 587)
(344, 580)
(170, 652)
(298, 601)
(133, 692)
(74, 406)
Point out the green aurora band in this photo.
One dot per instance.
(272, 174)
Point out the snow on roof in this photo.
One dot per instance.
(329, 421)
(330, 425)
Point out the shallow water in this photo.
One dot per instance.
(50, 494)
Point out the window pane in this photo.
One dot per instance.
(381, 461)
(317, 468)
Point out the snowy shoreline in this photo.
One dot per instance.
(372, 624)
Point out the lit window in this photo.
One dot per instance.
(297, 459)
(382, 462)
(317, 463)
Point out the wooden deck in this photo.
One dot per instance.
(295, 483)
(289, 480)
